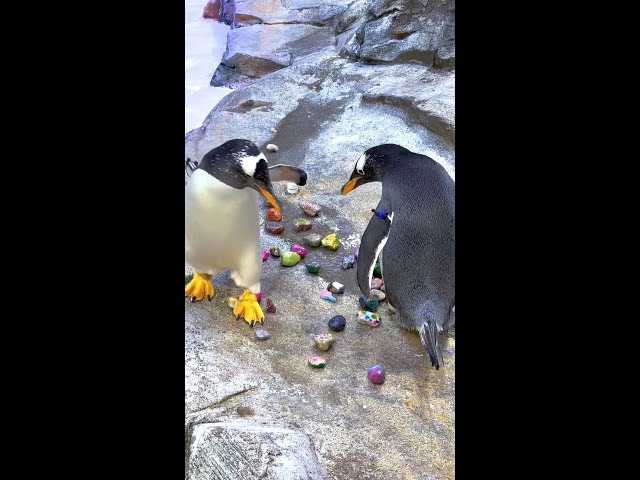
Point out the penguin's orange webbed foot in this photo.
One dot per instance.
(200, 287)
(248, 309)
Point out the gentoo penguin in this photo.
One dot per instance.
(415, 225)
(221, 229)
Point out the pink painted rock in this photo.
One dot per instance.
(300, 250)
(376, 283)
(310, 208)
(259, 297)
(265, 255)
(326, 295)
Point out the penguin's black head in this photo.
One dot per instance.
(371, 164)
(240, 164)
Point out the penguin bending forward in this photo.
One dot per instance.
(415, 225)
(222, 223)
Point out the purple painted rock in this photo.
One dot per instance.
(274, 227)
(302, 224)
(376, 374)
(270, 306)
(309, 208)
(265, 255)
(326, 295)
(376, 283)
(300, 250)
(356, 253)
(259, 297)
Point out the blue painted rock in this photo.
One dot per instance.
(337, 323)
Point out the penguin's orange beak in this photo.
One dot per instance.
(351, 184)
(270, 198)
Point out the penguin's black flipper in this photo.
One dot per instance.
(288, 173)
(429, 334)
(371, 245)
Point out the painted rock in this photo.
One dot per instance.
(317, 362)
(275, 252)
(270, 306)
(259, 297)
(356, 253)
(265, 255)
(289, 259)
(376, 374)
(331, 242)
(337, 323)
(274, 215)
(379, 294)
(348, 262)
(302, 224)
(336, 288)
(376, 283)
(274, 227)
(326, 295)
(262, 334)
(232, 302)
(377, 272)
(310, 208)
(312, 240)
(368, 318)
(272, 148)
(312, 267)
(300, 250)
(323, 341)
(369, 303)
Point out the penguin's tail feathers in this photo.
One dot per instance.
(429, 334)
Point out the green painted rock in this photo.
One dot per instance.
(312, 240)
(331, 242)
(317, 362)
(312, 267)
(376, 271)
(289, 259)
(302, 224)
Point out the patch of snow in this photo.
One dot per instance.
(205, 41)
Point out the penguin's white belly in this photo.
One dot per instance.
(221, 229)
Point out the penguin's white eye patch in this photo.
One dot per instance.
(250, 163)
(360, 165)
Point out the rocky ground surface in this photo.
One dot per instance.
(324, 81)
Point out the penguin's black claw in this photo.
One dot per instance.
(209, 297)
(251, 325)
(193, 299)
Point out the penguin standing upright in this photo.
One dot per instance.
(221, 229)
(415, 225)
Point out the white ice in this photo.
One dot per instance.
(205, 41)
